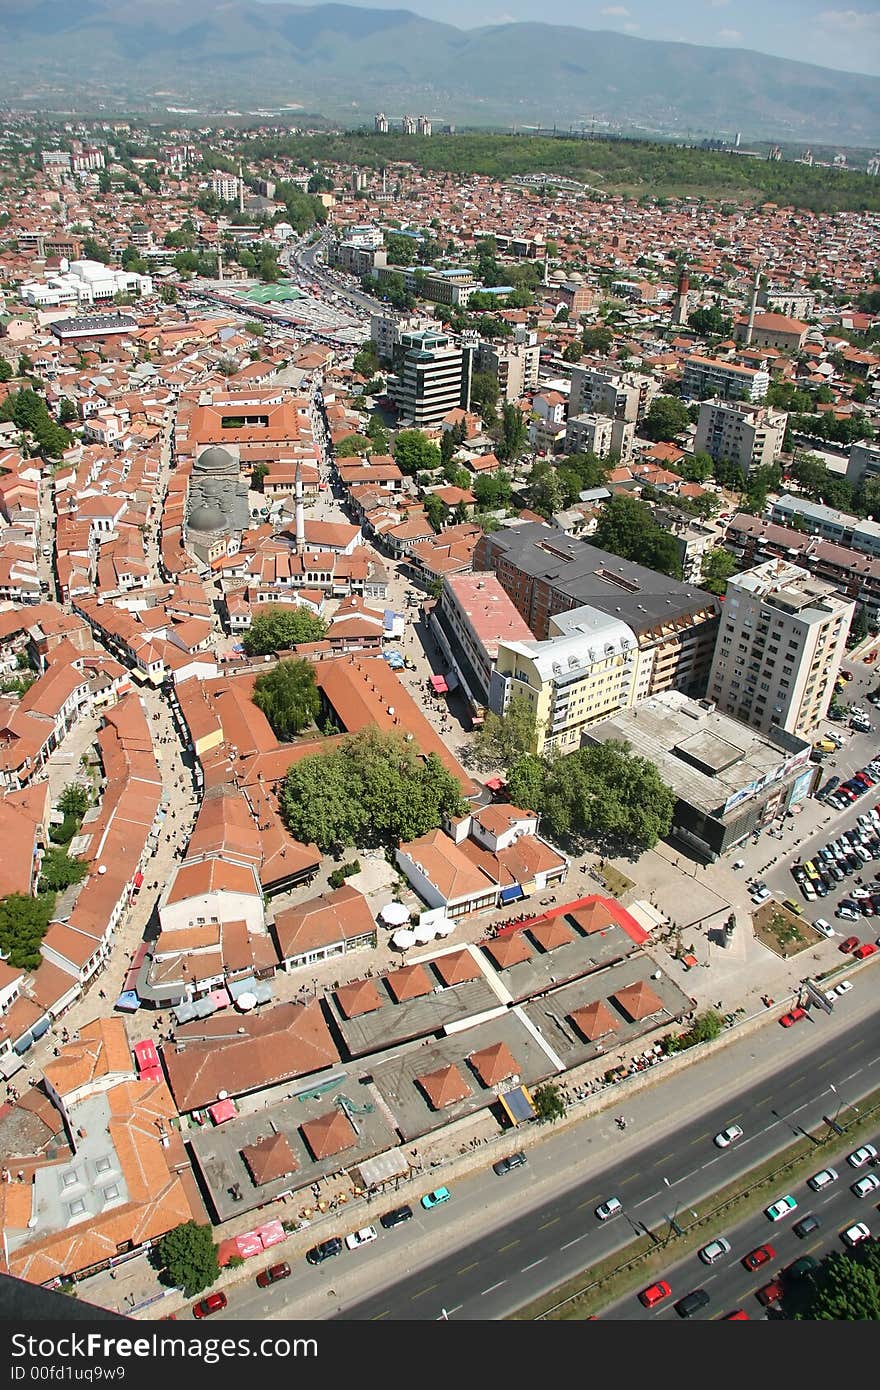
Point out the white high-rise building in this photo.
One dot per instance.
(780, 644)
(740, 433)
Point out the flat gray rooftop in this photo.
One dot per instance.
(548, 968)
(414, 1018)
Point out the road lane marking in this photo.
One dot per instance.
(575, 1241)
(508, 1247)
(552, 1222)
(533, 1265)
(467, 1268)
(380, 1316)
(421, 1293)
(493, 1287)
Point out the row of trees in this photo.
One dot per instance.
(29, 412)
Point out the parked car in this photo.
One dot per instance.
(793, 1016)
(362, 1237)
(655, 1293)
(824, 927)
(844, 987)
(731, 1135)
(273, 1274)
(212, 1304)
(504, 1165)
(436, 1198)
(390, 1219)
(761, 1255)
(738, 1315)
(777, 1210)
(324, 1251)
(849, 945)
(610, 1208)
(866, 949)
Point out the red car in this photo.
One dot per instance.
(866, 949)
(849, 945)
(771, 1293)
(761, 1255)
(655, 1293)
(273, 1274)
(739, 1315)
(212, 1304)
(794, 1016)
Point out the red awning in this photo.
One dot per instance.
(223, 1110)
(249, 1244)
(138, 880)
(270, 1234)
(146, 1056)
(495, 784)
(219, 998)
(438, 684)
(151, 1074)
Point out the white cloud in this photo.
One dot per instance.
(852, 21)
(615, 9)
(729, 35)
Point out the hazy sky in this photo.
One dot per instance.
(813, 31)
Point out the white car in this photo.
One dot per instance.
(728, 1136)
(844, 987)
(859, 1157)
(760, 895)
(715, 1250)
(822, 1179)
(865, 1186)
(610, 1208)
(860, 892)
(361, 1237)
(824, 927)
(853, 1234)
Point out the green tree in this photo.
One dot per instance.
(374, 788)
(526, 782)
(59, 870)
(602, 793)
(94, 250)
(377, 435)
(627, 528)
(6, 372)
(402, 250)
(859, 627)
(573, 352)
(258, 473)
(435, 511)
(493, 490)
(352, 445)
(414, 452)
(189, 1257)
(67, 411)
(598, 339)
(711, 322)
(484, 394)
(513, 435)
(448, 446)
(546, 488)
(366, 359)
(695, 468)
(718, 566)
(867, 498)
(23, 924)
(289, 697)
(74, 800)
(277, 628)
(846, 1287)
(666, 418)
(505, 738)
(549, 1105)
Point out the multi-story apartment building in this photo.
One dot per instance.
(855, 575)
(827, 522)
(601, 435)
(515, 364)
(779, 648)
(380, 123)
(546, 573)
(741, 433)
(864, 462)
(226, 187)
(386, 330)
(474, 617)
(704, 376)
(434, 378)
(586, 669)
(620, 395)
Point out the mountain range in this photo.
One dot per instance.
(348, 62)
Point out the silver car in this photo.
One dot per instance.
(715, 1250)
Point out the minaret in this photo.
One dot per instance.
(679, 312)
(300, 511)
(220, 261)
(752, 307)
(240, 188)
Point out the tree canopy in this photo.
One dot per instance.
(512, 435)
(277, 628)
(373, 788)
(28, 412)
(718, 566)
(846, 1286)
(627, 528)
(353, 445)
(289, 697)
(23, 924)
(414, 452)
(484, 394)
(505, 738)
(189, 1256)
(666, 418)
(59, 870)
(602, 792)
(711, 321)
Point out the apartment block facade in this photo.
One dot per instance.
(705, 376)
(748, 435)
(619, 395)
(601, 435)
(434, 378)
(780, 645)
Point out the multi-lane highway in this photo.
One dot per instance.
(503, 1241)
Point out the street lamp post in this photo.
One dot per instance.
(673, 1224)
